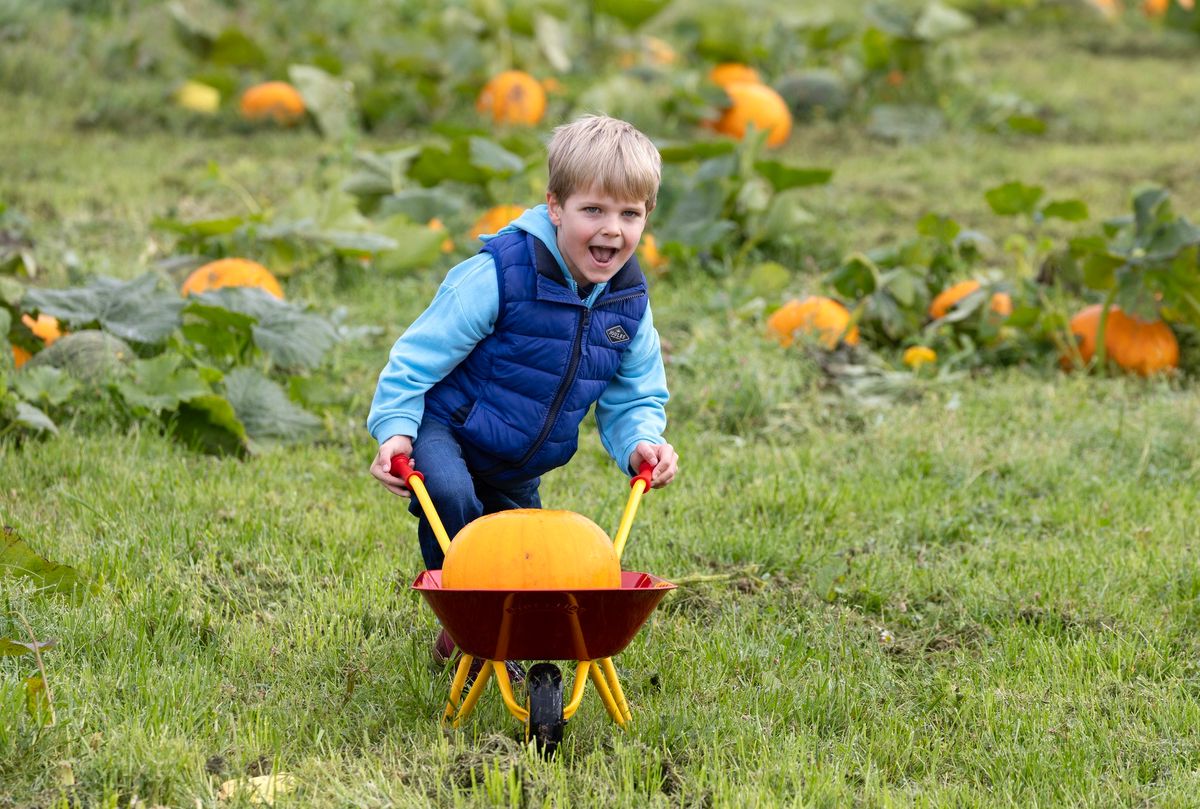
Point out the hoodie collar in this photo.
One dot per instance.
(536, 221)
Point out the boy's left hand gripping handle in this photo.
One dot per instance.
(402, 468)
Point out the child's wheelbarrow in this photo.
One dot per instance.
(585, 625)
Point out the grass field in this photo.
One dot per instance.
(981, 593)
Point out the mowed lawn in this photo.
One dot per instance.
(978, 591)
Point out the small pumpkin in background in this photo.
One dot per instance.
(275, 101)
(948, 298)
(1143, 347)
(815, 316)
(493, 219)
(531, 549)
(916, 356)
(45, 328)
(728, 73)
(648, 255)
(757, 104)
(231, 272)
(513, 97)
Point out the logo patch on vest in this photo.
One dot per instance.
(617, 334)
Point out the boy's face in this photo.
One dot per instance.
(596, 233)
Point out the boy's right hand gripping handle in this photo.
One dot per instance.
(403, 469)
(639, 484)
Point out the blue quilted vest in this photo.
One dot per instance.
(516, 402)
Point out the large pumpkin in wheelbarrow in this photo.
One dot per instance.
(531, 549)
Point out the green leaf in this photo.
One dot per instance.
(234, 49)
(12, 648)
(1013, 198)
(159, 384)
(783, 177)
(266, 411)
(942, 228)
(1100, 270)
(554, 39)
(11, 291)
(631, 12)
(44, 385)
(421, 205)
(141, 310)
(328, 98)
(19, 560)
(37, 700)
(1071, 210)
(1026, 124)
(857, 277)
(938, 22)
(29, 416)
(435, 165)
(1151, 206)
(203, 228)
(290, 336)
(209, 424)
(494, 158)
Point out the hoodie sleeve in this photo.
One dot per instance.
(633, 406)
(462, 313)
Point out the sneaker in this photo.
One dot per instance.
(445, 650)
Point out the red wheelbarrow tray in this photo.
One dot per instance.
(544, 624)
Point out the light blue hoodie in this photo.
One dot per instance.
(464, 311)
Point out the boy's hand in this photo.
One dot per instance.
(381, 467)
(664, 458)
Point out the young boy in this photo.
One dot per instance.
(486, 389)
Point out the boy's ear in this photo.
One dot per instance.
(554, 208)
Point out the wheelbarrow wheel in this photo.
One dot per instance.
(545, 724)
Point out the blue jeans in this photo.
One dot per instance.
(458, 496)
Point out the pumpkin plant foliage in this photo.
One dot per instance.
(194, 365)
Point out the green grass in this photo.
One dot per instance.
(984, 593)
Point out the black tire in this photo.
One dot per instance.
(545, 725)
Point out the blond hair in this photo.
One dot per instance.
(605, 154)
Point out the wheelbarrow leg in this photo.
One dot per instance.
(606, 694)
(457, 685)
(610, 674)
(473, 695)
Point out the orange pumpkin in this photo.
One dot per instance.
(231, 272)
(276, 101)
(916, 356)
(513, 97)
(493, 219)
(648, 254)
(1157, 8)
(823, 318)
(45, 328)
(756, 104)
(946, 300)
(728, 73)
(531, 549)
(1144, 347)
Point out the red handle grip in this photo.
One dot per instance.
(644, 473)
(402, 468)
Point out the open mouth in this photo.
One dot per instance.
(602, 255)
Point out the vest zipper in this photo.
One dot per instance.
(563, 387)
(611, 301)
